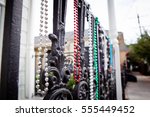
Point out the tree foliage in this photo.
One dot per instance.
(141, 51)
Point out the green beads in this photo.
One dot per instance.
(96, 57)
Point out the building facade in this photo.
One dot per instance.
(69, 45)
(123, 48)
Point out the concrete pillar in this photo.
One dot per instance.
(114, 41)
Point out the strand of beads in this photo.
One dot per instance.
(91, 58)
(42, 34)
(46, 46)
(96, 58)
(77, 55)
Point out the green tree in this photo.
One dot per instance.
(140, 52)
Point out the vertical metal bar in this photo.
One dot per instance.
(59, 17)
(11, 50)
(81, 19)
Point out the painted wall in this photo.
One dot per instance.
(23, 46)
(27, 55)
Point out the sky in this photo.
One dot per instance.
(126, 16)
(126, 13)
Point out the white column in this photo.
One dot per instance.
(2, 16)
(114, 41)
(30, 56)
(2, 2)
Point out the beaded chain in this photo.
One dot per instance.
(43, 32)
(96, 58)
(77, 49)
(91, 69)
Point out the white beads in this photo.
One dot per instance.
(37, 81)
(39, 58)
(46, 54)
(46, 74)
(46, 60)
(39, 71)
(38, 75)
(40, 53)
(40, 48)
(46, 89)
(45, 50)
(39, 90)
(43, 35)
(46, 64)
(46, 84)
(40, 66)
(46, 79)
(37, 86)
(43, 92)
(39, 62)
(90, 58)
(46, 69)
(46, 43)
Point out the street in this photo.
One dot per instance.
(139, 90)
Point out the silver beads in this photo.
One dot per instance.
(46, 89)
(39, 63)
(91, 58)
(46, 74)
(39, 91)
(43, 35)
(46, 55)
(46, 64)
(46, 84)
(40, 53)
(46, 69)
(40, 48)
(43, 92)
(37, 81)
(45, 50)
(46, 46)
(46, 79)
(40, 66)
(37, 86)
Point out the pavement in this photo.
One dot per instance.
(139, 90)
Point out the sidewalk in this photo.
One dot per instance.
(139, 90)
